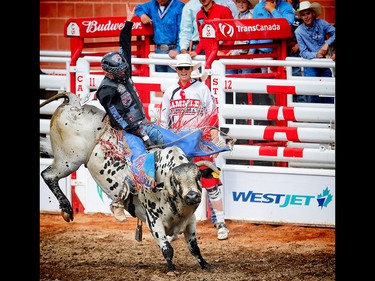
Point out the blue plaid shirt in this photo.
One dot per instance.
(311, 40)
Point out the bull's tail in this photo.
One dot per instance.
(56, 97)
(45, 143)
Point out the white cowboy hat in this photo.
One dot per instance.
(185, 60)
(305, 5)
(196, 74)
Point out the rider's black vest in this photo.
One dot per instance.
(130, 99)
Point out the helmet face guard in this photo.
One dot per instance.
(115, 66)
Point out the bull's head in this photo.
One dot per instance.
(184, 181)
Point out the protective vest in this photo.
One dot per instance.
(134, 111)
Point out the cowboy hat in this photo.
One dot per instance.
(305, 5)
(196, 74)
(185, 60)
(252, 2)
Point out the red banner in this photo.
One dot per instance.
(103, 27)
(246, 29)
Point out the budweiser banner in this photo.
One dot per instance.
(103, 27)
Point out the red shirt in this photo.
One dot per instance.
(215, 12)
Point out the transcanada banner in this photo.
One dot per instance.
(245, 29)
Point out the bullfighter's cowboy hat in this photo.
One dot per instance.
(185, 60)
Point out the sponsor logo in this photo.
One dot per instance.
(93, 26)
(284, 200)
(258, 27)
(226, 29)
(324, 198)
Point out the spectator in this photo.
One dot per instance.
(230, 4)
(314, 37)
(271, 9)
(121, 101)
(209, 11)
(189, 35)
(189, 102)
(245, 11)
(332, 51)
(165, 16)
(292, 46)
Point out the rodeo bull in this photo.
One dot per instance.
(77, 137)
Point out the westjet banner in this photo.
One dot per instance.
(280, 196)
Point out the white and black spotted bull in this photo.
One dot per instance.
(76, 137)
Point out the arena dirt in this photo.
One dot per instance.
(97, 247)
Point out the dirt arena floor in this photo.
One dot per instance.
(97, 247)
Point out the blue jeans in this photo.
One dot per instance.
(163, 68)
(296, 71)
(154, 134)
(242, 71)
(317, 72)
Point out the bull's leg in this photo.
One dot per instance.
(50, 177)
(192, 242)
(167, 251)
(158, 232)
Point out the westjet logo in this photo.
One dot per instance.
(283, 200)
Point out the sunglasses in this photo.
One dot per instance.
(183, 67)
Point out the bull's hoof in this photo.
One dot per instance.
(171, 269)
(172, 273)
(67, 217)
(208, 266)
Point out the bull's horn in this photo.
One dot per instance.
(209, 164)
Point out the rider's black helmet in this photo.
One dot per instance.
(115, 66)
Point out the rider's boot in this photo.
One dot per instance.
(117, 208)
